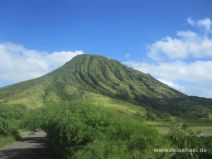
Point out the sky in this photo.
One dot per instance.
(169, 39)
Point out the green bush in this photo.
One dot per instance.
(10, 119)
(82, 130)
(182, 137)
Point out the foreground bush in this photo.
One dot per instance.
(10, 119)
(79, 130)
(182, 137)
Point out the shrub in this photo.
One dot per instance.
(82, 130)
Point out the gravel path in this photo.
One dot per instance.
(32, 146)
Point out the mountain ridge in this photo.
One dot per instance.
(87, 75)
(91, 68)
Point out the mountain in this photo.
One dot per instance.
(102, 80)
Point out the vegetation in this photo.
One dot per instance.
(10, 122)
(94, 107)
(10, 119)
(79, 130)
(83, 130)
(90, 75)
(184, 138)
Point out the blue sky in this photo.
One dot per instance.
(160, 37)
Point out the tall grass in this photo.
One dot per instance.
(82, 130)
(10, 123)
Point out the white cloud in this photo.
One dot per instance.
(190, 21)
(205, 23)
(183, 62)
(18, 63)
(185, 45)
(187, 35)
(198, 71)
(196, 75)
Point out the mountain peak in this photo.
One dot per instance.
(93, 76)
(99, 75)
(103, 75)
(86, 57)
(90, 61)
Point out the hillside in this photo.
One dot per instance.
(91, 77)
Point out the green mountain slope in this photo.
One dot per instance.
(91, 77)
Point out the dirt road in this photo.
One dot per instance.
(32, 146)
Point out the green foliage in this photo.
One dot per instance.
(82, 130)
(110, 125)
(10, 122)
(87, 74)
(189, 107)
(10, 118)
(182, 137)
(91, 74)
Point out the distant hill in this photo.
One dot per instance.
(99, 79)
